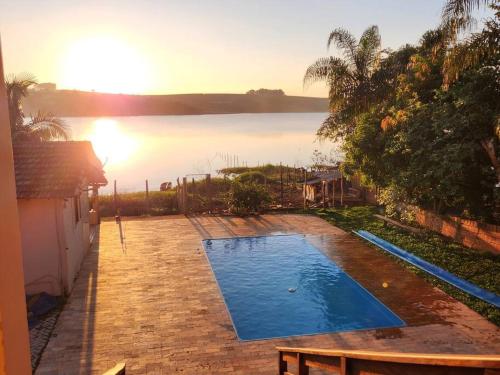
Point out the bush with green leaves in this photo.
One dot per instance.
(253, 177)
(247, 198)
(395, 202)
(134, 204)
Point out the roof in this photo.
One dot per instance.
(55, 169)
(328, 176)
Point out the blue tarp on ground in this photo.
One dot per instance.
(40, 305)
(431, 268)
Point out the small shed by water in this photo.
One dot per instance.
(329, 187)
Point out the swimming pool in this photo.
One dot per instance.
(279, 286)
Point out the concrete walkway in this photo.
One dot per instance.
(156, 306)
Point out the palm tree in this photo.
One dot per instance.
(457, 15)
(42, 126)
(348, 77)
(477, 47)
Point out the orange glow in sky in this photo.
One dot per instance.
(104, 64)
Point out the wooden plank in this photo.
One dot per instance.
(452, 360)
(301, 365)
(290, 357)
(398, 224)
(282, 365)
(343, 366)
(359, 366)
(322, 362)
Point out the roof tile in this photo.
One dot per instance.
(55, 169)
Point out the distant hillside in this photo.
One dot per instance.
(67, 103)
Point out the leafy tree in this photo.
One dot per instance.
(428, 145)
(42, 126)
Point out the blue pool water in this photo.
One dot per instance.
(280, 286)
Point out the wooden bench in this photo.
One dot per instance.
(396, 223)
(350, 362)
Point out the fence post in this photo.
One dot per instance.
(294, 176)
(323, 191)
(209, 192)
(184, 195)
(333, 193)
(95, 202)
(281, 185)
(302, 368)
(304, 190)
(341, 190)
(178, 195)
(115, 198)
(282, 365)
(147, 197)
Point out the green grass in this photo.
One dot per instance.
(480, 268)
(134, 204)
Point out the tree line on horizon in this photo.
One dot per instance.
(421, 123)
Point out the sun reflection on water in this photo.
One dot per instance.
(111, 144)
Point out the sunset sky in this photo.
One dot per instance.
(190, 46)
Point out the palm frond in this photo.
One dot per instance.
(478, 49)
(17, 88)
(462, 8)
(457, 17)
(370, 38)
(344, 41)
(45, 126)
(328, 69)
(333, 127)
(20, 83)
(369, 50)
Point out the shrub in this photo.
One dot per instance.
(247, 198)
(253, 177)
(134, 204)
(397, 204)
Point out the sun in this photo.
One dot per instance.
(104, 64)
(111, 144)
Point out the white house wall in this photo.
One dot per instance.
(54, 244)
(77, 237)
(41, 256)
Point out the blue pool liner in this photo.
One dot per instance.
(255, 276)
(431, 268)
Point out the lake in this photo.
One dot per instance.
(162, 148)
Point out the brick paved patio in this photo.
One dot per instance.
(156, 305)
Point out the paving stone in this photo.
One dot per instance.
(154, 303)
